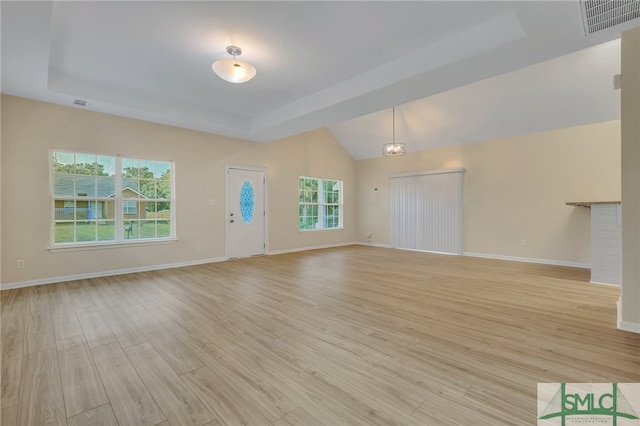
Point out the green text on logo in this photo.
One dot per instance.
(613, 404)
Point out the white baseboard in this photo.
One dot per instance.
(632, 327)
(297, 249)
(429, 251)
(609, 284)
(366, 243)
(619, 311)
(529, 260)
(53, 280)
(626, 325)
(498, 257)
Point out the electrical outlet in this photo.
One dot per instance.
(523, 243)
(198, 248)
(369, 235)
(20, 263)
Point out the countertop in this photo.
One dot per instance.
(588, 204)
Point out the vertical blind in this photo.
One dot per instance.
(427, 211)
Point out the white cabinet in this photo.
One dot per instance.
(606, 244)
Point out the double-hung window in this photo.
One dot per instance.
(320, 203)
(101, 199)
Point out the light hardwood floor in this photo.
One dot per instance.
(352, 335)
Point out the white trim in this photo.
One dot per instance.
(118, 201)
(52, 203)
(529, 260)
(320, 229)
(53, 280)
(366, 243)
(626, 325)
(631, 327)
(430, 172)
(428, 251)
(493, 256)
(324, 246)
(607, 284)
(111, 244)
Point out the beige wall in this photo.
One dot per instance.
(30, 128)
(314, 154)
(630, 297)
(0, 193)
(515, 189)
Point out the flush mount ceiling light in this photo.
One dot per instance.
(394, 149)
(233, 70)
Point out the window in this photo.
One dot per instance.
(130, 207)
(320, 203)
(101, 199)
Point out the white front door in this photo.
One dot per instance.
(245, 212)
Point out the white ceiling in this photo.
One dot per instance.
(459, 71)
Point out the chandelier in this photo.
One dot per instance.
(394, 149)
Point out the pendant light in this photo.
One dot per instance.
(233, 70)
(394, 149)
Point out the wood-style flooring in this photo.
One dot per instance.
(345, 336)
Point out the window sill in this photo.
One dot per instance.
(110, 245)
(321, 229)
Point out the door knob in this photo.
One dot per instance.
(231, 214)
(231, 221)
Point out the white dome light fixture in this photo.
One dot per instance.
(394, 149)
(234, 70)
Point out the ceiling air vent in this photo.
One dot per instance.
(80, 102)
(598, 15)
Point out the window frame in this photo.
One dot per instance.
(118, 201)
(322, 204)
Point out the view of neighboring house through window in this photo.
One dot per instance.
(98, 198)
(320, 203)
(146, 189)
(130, 207)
